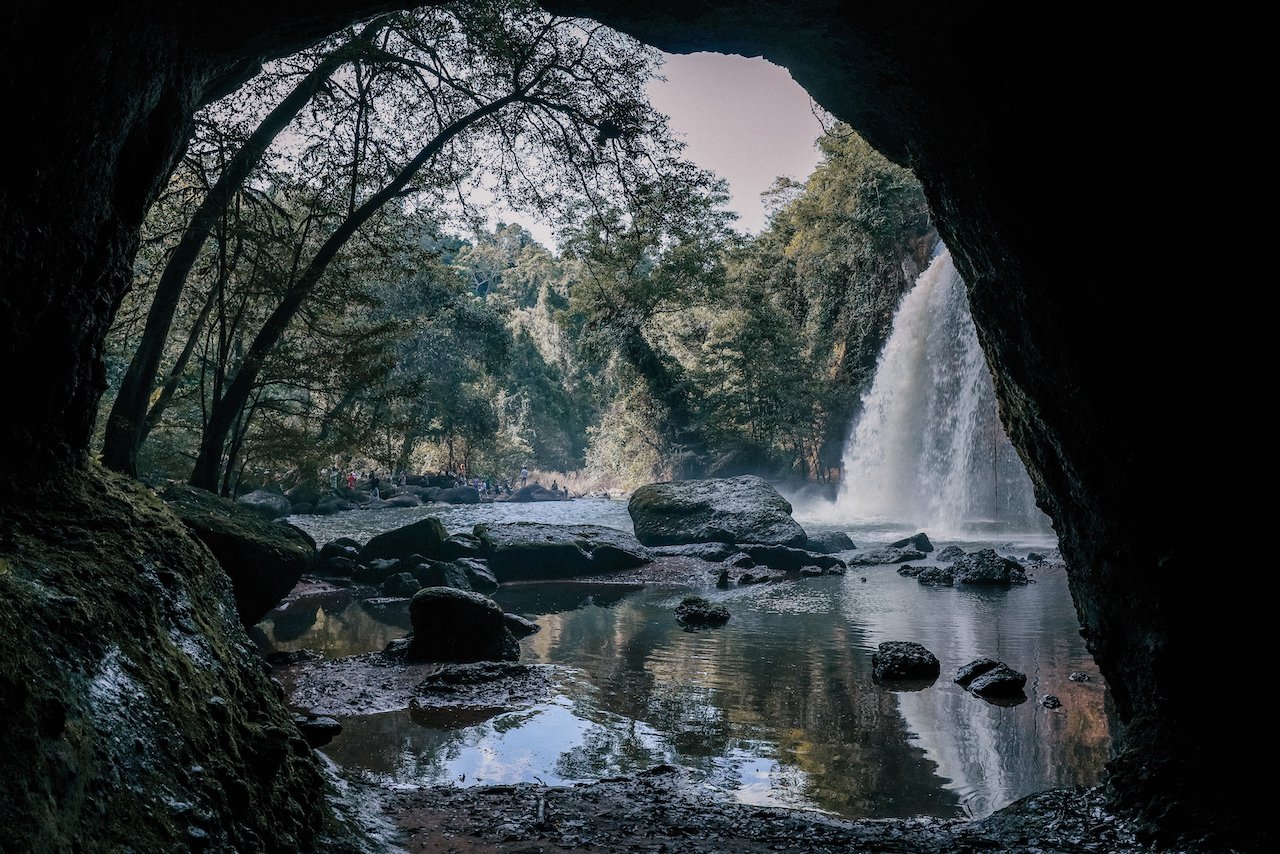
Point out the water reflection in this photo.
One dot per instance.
(777, 706)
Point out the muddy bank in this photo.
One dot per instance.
(663, 810)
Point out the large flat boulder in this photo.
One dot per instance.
(264, 559)
(742, 509)
(526, 551)
(426, 537)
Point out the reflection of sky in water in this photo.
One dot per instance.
(777, 706)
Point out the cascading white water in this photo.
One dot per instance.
(928, 449)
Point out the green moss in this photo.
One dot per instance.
(136, 711)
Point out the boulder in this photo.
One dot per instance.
(523, 551)
(332, 505)
(742, 509)
(425, 537)
(401, 585)
(305, 493)
(904, 660)
(790, 560)
(919, 542)
(439, 573)
(535, 492)
(318, 730)
(878, 557)
(459, 625)
(829, 542)
(462, 545)
(267, 504)
(992, 680)
(457, 495)
(376, 572)
(520, 626)
(124, 663)
(263, 559)
(714, 552)
(697, 611)
(341, 547)
(935, 576)
(987, 567)
(949, 554)
(403, 500)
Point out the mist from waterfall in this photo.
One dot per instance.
(928, 450)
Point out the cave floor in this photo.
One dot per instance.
(660, 810)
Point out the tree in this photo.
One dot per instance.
(545, 87)
(659, 253)
(129, 421)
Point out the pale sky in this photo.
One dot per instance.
(744, 119)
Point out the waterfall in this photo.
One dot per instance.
(928, 450)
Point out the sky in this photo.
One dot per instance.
(743, 118)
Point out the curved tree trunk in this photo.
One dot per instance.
(127, 422)
(227, 408)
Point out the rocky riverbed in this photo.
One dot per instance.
(663, 812)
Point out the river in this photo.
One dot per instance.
(777, 707)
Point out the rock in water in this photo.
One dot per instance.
(459, 625)
(742, 509)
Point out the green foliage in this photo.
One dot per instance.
(659, 343)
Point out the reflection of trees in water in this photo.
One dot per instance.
(800, 698)
(609, 746)
(391, 748)
(787, 695)
(558, 597)
(336, 624)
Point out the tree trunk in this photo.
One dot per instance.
(126, 423)
(224, 412)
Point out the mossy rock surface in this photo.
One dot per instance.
(137, 715)
(264, 558)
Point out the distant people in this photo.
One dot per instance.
(555, 486)
(351, 479)
(524, 477)
(373, 487)
(333, 479)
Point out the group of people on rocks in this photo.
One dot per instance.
(486, 486)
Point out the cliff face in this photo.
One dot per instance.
(1043, 138)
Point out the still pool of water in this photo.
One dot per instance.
(777, 707)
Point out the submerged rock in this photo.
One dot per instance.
(697, 611)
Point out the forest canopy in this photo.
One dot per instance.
(317, 287)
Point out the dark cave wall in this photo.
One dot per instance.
(1088, 167)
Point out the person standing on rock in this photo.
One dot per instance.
(524, 477)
